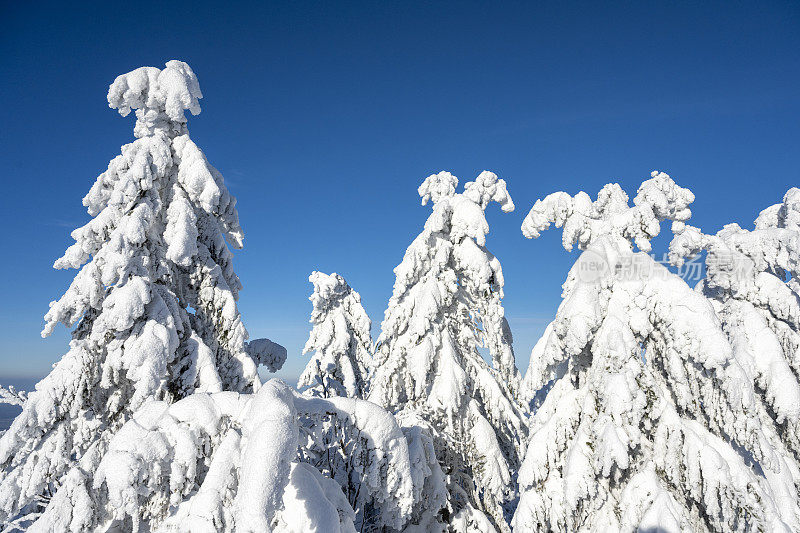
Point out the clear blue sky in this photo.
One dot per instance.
(325, 117)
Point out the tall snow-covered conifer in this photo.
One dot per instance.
(751, 279)
(635, 430)
(340, 338)
(154, 299)
(447, 302)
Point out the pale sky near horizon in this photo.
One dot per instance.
(325, 117)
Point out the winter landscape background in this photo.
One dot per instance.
(325, 122)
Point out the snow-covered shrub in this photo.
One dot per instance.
(239, 462)
(649, 423)
(361, 447)
(447, 302)
(154, 301)
(751, 279)
(340, 338)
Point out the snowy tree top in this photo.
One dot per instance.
(486, 188)
(156, 93)
(328, 290)
(437, 186)
(585, 222)
(462, 214)
(784, 215)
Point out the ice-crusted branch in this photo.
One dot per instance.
(11, 396)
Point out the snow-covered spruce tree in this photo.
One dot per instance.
(229, 462)
(751, 279)
(340, 338)
(447, 302)
(154, 300)
(635, 431)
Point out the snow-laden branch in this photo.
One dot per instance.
(610, 216)
(11, 396)
(266, 353)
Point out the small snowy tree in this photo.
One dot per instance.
(340, 367)
(229, 462)
(340, 338)
(154, 300)
(751, 279)
(648, 410)
(447, 302)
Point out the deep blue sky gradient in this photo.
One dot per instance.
(325, 117)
